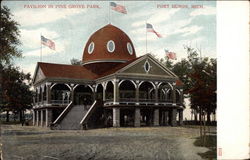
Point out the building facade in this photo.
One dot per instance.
(112, 87)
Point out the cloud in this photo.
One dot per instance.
(161, 16)
(46, 51)
(32, 38)
(32, 17)
(207, 10)
(166, 29)
(189, 30)
(138, 23)
(155, 18)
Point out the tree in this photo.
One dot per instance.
(199, 78)
(75, 61)
(14, 85)
(17, 95)
(9, 39)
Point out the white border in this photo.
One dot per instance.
(233, 79)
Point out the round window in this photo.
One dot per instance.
(130, 49)
(111, 46)
(91, 47)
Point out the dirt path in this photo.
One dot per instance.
(111, 144)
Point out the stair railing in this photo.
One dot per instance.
(63, 114)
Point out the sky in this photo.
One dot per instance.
(70, 28)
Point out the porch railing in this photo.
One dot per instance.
(140, 100)
(60, 102)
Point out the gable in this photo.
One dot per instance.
(39, 75)
(154, 67)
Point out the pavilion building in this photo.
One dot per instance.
(112, 87)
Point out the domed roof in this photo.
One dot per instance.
(108, 44)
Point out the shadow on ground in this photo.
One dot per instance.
(209, 142)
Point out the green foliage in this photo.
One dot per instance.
(199, 78)
(74, 61)
(15, 94)
(16, 89)
(9, 37)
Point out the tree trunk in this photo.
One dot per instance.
(195, 116)
(204, 133)
(208, 118)
(20, 115)
(7, 116)
(200, 123)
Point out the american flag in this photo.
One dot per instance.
(48, 42)
(171, 55)
(118, 8)
(150, 28)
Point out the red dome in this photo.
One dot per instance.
(108, 44)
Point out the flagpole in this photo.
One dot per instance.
(109, 11)
(40, 48)
(146, 39)
(109, 14)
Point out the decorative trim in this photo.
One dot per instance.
(178, 91)
(151, 90)
(147, 81)
(75, 86)
(60, 83)
(127, 80)
(48, 83)
(96, 86)
(170, 86)
(91, 88)
(115, 80)
(98, 61)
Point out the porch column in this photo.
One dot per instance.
(42, 94)
(48, 93)
(173, 117)
(37, 117)
(181, 117)
(94, 93)
(137, 94)
(103, 94)
(72, 98)
(156, 95)
(156, 117)
(48, 117)
(38, 95)
(41, 118)
(34, 117)
(174, 93)
(166, 118)
(137, 117)
(116, 117)
(162, 121)
(116, 91)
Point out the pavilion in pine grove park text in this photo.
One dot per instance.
(111, 88)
